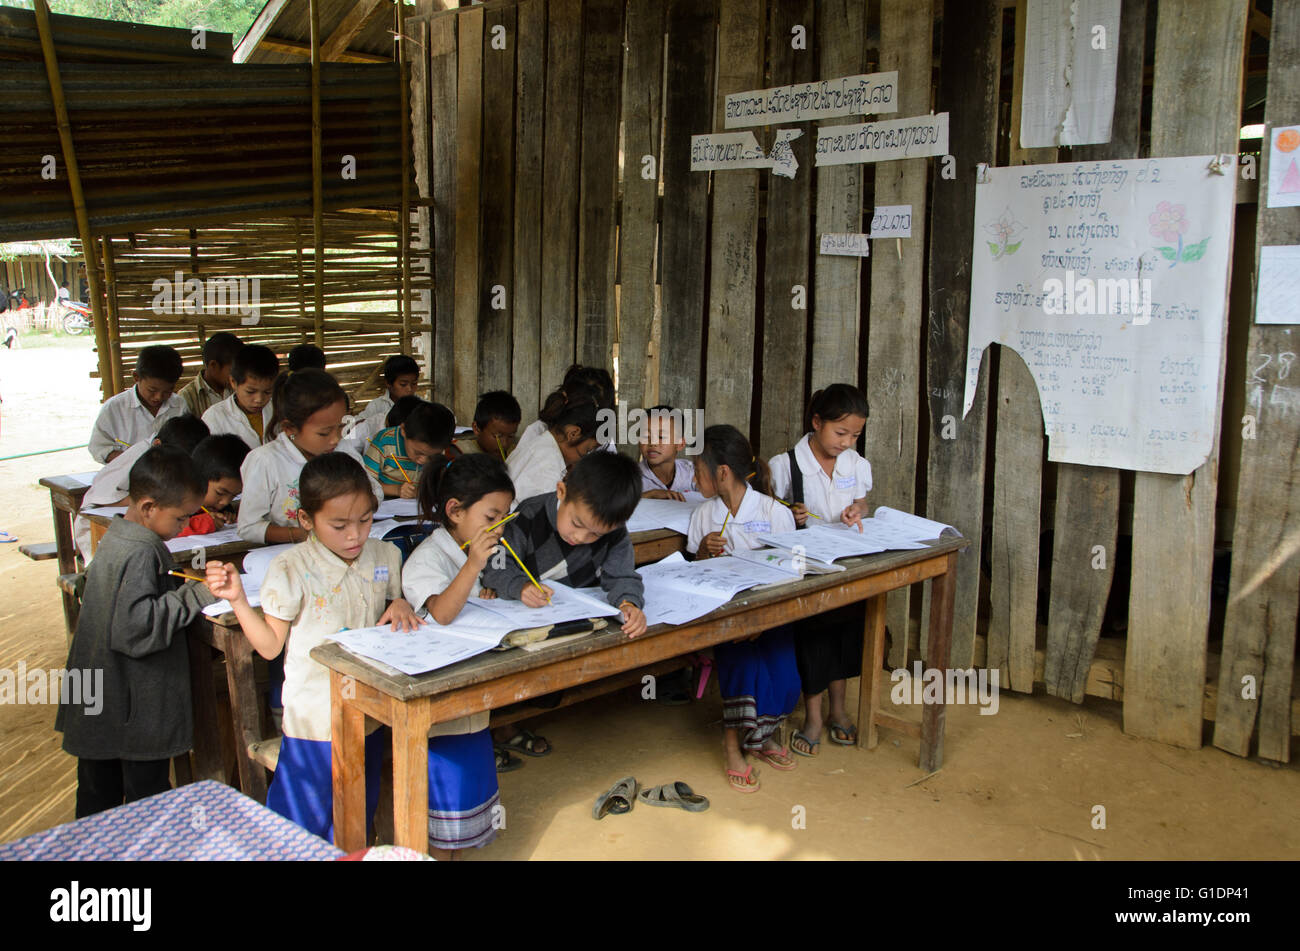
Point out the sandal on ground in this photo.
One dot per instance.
(525, 741)
(843, 735)
(507, 763)
(777, 759)
(745, 782)
(676, 794)
(811, 744)
(616, 800)
(6, 538)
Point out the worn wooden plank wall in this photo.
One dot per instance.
(1259, 638)
(897, 278)
(968, 90)
(733, 280)
(1195, 109)
(718, 270)
(1087, 497)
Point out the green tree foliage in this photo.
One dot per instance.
(223, 16)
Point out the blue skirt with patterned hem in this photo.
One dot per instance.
(462, 787)
(760, 686)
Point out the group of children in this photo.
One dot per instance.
(307, 473)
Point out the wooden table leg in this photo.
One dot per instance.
(244, 709)
(942, 591)
(873, 655)
(348, 762)
(67, 552)
(410, 775)
(208, 761)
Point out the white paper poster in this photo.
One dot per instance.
(862, 95)
(1277, 296)
(846, 244)
(720, 151)
(1284, 167)
(1110, 280)
(892, 221)
(914, 137)
(1071, 51)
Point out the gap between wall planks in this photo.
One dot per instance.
(1260, 626)
(1196, 104)
(1087, 497)
(897, 278)
(733, 287)
(560, 173)
(638, 232)
(968, 91)
(495, 285)
(786, 250)
(602, 74)
(688, 108)
(836, 303)
(469, 135)
(442, 189)
(526, 297)
(1017, 467)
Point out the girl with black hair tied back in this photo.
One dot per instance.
(826, 481)
(543, 457)
(757, 676)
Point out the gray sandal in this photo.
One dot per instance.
(676, 794)
(617, 800)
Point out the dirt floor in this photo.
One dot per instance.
(1021, 784)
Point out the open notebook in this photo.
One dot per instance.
(481, 626)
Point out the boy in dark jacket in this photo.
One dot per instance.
(131, 627)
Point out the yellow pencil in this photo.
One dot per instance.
(525, 567)
(500, 521)
(789, 506)
(181, 574)
(399, 467)
(499, 447)
(204, 509)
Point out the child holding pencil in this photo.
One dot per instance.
(394, 457)
(341, 578)
(757, 676)
(824, 478)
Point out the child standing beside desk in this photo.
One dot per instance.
(757, 676)
(824, 477)
(340, 578)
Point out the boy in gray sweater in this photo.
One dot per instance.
(131, 627)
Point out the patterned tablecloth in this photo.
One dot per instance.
(201, 821)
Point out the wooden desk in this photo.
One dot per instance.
(65, 501)
(230, 551)
(411, 705)
(224, 634)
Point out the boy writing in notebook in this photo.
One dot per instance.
(496, 420)
(211, 384)
(133, 414)
(132, 633)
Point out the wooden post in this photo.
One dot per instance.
(469, 134)
(102, 345)
(114, 328)
(404, 215)
(317, 186)
(1260, 627)
(897, 281)
(1195, 110)
(530, 95)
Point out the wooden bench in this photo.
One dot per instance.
(41, 551)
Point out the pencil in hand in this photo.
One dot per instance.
(525, 568)
(789, 506)
(187, 577)
(399, 467)
(500, 521)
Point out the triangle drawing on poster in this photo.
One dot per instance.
(1291, 180)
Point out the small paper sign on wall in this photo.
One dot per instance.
(892, 221)
(1284, 167)
(848, 245)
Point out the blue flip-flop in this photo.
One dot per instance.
(6, 538)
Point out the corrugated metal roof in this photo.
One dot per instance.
(88, 40)
(281, 33)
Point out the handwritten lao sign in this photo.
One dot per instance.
(849, 245)
(1110, 281)
(720, 151)
(862, 95)
(883, 141)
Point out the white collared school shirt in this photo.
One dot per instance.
(536, 465)
(683, 477)
(320, 594)
(379, 406)
(429, 571)
(824, 495)
(109, 487)
(227, 417)
(123, 421)
(757, 514)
